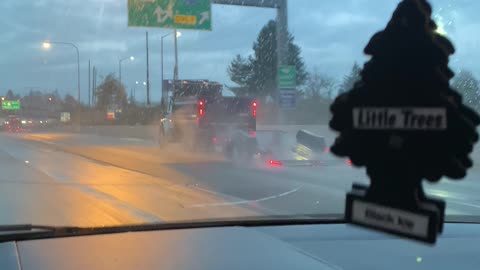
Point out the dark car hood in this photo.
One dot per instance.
(282, 247)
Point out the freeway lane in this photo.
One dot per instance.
(42, 185)
(88, 180)
(274, 190)
(264, 190)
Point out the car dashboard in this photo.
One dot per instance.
(332, 246)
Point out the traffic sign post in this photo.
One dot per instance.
(288, 98)
(287, 77)
(287, 82)
(174, 14)
(11, 105)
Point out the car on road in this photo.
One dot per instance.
(13, 124)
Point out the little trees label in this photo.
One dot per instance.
(400, 118)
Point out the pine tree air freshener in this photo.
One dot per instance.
(404, 123)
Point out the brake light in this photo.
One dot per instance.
(275, 163)
(200, 108)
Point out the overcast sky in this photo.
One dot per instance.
(331, 34)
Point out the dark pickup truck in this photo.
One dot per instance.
(200, 117)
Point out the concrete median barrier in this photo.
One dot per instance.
(149, 132)
(306, 135)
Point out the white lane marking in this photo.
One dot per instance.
(463, 203)
(279, 195)
(241, 201)
(211, 191)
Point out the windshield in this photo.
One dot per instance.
(89, 136)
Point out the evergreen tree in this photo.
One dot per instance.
(257, 75)
(240, 70)
(350, 79)
(10, 95)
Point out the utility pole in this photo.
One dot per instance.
(164, 100)
(175, 71)
(148, 74)
(89, 89)
(282, 33)
(94, 85)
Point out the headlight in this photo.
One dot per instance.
(24, 122)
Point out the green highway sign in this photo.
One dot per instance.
(10, 105)
(174, 14)
(287, 77)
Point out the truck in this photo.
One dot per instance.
(201, 118)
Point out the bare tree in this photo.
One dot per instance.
(319, 85)
(111, 94)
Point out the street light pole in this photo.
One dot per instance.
(148, 71)
(163, 92)
(48, 44)
(177, 34)
(120, 71)
(120, 67)
(89, 73)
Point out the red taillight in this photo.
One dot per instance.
(253, 134)
(349, 162)
(326, 150)
(200, 108)
(214, 140)
(275, 163)
(254, 109)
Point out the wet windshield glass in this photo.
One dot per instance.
(95, 93)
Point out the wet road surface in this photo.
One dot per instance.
(89, 180)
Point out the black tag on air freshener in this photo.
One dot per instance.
(423, 221)
(420, 225)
